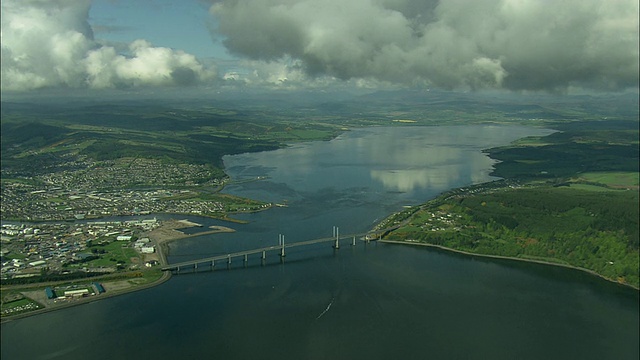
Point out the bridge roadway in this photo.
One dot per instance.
(210, 261)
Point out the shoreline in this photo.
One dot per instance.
(167, 232)
(509, 258)
(113, 293)
(170, 231)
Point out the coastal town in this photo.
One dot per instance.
(31, 250)
(58, 226)
(120, 187)
(49, 265)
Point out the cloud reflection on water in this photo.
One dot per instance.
(417, 160)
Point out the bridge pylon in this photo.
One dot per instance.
(281, 247)
(282, 254)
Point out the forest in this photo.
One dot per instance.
(589, 229)
(569, 198)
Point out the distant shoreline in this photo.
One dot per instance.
(510, 258)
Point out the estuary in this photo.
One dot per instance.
(368, 301)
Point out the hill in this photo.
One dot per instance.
(569, 198)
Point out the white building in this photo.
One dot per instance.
(148, 249)
(76, 293)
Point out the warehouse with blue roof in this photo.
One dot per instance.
(50, 293)
(99, 287)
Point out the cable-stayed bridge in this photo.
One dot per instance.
(280, 249)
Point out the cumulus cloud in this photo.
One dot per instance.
(288, 74)
(49, 43)
(514, 44)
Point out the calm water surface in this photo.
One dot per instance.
(372, 301)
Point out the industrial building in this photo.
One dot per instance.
(99, 287)
(76, 293)
(50, 293)
(37, 263)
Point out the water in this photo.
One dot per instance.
(375, 301)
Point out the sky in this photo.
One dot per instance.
(513, 45)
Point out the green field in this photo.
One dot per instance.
(589, 187)
(19, 306)
(580, 148)
(196, 137)
(116, 252)
(613, 179)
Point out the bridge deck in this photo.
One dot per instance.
(176, 266)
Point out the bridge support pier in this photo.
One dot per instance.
(211, 261)
(282, 254)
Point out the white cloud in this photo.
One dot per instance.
(517, 44)
(512, 44)
(290, 74)
(51, 44)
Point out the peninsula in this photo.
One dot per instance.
(567, 199)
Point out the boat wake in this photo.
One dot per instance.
(327, 309)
